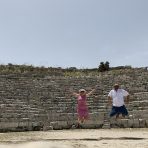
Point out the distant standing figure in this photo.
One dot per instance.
(82, 107)
(117, 98)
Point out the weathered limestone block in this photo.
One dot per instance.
(142, 123)
(114, 122)
(72, 122)
(62, 117)
(137, 114)
(52, 116)
(92, 124)
(23, 124)
(34, 124)
(124, 123)
(63, 124)
(47, 126)
(30, 124)
(4, 125)
(144, 114)
(146, 122)
(130, 123)
(131, 116)
(4, 120)
(2, 106)
(97, 116)
(55, 125)
(136, 123)
(120, 123)
(72, 116)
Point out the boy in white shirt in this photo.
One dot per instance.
(116, 98)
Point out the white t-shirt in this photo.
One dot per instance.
(118, 96)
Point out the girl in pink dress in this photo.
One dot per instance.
(82, 107)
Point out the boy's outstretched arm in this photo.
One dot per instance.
(109, 100)
(127, 99)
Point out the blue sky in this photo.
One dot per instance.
(74, 33)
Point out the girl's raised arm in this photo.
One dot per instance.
(91, 92)
(75, 94)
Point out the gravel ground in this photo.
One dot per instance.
(100, 138)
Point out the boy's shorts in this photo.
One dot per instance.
(118, 110)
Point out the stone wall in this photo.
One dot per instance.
(29, 102)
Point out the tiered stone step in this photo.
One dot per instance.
(30, 100)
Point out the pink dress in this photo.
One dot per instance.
(82, 108)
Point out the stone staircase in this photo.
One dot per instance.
(32, 103)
